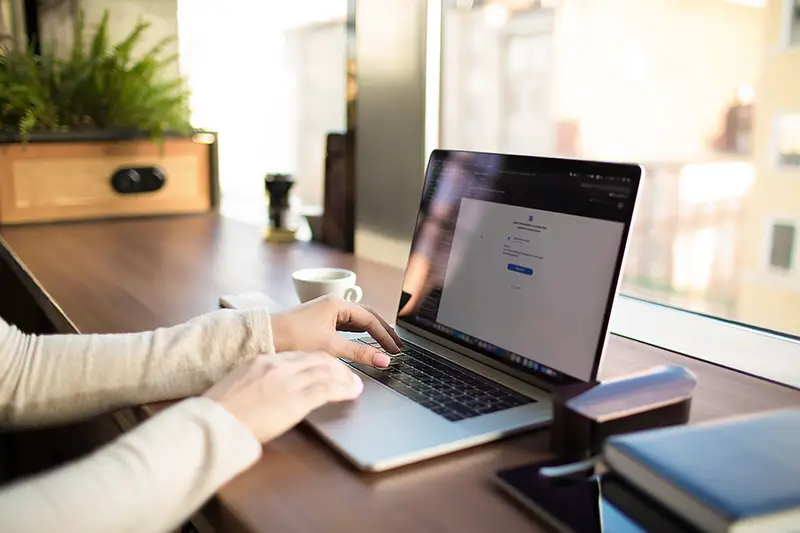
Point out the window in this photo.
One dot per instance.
(788, 140)
(272, 83)
(781, 251)
(687, 89)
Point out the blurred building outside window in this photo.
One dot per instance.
(699, 92)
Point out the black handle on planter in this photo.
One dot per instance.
(138, 180)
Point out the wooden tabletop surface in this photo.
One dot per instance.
(122, 276)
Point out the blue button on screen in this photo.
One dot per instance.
(521, 269)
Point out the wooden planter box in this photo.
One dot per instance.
(67, 176)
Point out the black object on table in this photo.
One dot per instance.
(278, 186)
(584, 415)
(594, 504)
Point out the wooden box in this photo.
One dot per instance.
(68, 177)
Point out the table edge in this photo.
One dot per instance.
(46, 302)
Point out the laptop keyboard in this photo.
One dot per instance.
(443, 387)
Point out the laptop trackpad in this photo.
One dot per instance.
(382, 426)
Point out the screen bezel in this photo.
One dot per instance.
(628, 170)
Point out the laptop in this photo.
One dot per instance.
(513, 270)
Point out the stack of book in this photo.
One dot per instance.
(735, 476)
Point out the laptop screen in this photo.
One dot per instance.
(518, 258)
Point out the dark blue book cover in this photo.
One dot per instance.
(736, 475)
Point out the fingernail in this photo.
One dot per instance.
(381, 360)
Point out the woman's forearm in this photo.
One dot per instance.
(147, 481)
(62, 378)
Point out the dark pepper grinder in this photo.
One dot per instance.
(278, 187)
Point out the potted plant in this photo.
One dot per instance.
(101, 132)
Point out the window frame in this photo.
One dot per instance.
(714, 340)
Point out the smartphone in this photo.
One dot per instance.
(249, 300)
(594, 504)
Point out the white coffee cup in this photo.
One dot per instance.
(312, 283)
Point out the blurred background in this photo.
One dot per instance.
(705, 94)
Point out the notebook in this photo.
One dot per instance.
(735, 476)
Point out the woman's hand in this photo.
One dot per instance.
(313, 325)
(270, 395)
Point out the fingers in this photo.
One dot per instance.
(319, 377)
(295, 362)
(355, 317)
(322, 388)
(359, 352)
(397, 340)
(329, 370)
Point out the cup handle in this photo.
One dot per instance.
(353, 294)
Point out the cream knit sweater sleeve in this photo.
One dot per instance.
(155, 476)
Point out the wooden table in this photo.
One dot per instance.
(121, 276)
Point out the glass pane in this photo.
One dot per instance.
(695, 90)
